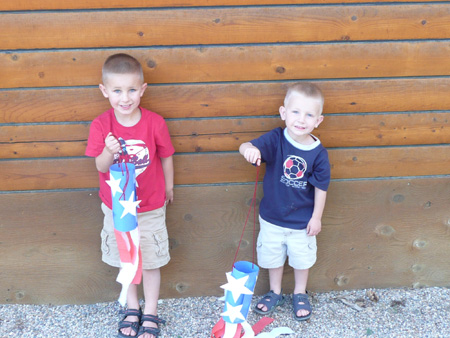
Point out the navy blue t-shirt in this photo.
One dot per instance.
(292, 172)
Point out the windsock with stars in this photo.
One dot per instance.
(124, 207)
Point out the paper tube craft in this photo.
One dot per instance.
(124, 207)
(238, 295)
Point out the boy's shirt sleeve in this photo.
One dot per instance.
(96, 140)
(267, 144)
(321, 174)
(163, 142)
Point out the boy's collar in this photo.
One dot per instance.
(299, 145)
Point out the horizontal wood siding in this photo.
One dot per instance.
(20, 5)
(77, 173)
(249, 63)
(229, 99)
(388, 243)
(217, 72)
(57, 140)
(224, 26)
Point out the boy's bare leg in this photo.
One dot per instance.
(301, 279)
(132, 303)
(152, 283)
(275, 279)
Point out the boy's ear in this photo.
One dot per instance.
(103, 90)
(319, 120)
(143, 88)
(282, 112)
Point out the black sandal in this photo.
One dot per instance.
(126, 324)
(147, 329)
(300, 301)
(271, 300)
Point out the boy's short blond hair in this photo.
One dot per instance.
(121, 64)
(305, 88)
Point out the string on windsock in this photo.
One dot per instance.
(239, 289)
(124, 207)
(239, 293)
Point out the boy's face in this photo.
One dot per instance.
(302, 114)
(124, 92)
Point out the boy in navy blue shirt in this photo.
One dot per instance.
(295, 188)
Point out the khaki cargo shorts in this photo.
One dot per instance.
(154, 240)
(276, 243)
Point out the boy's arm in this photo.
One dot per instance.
(250, 153)
(167, 165)
(315, 223)
(106, 158)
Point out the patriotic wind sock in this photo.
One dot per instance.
(238, 296)
(124, 207)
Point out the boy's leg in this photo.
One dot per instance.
(155, 254)
(301, 279)
(151, 282)
(271, 250)
(275, 280)
(302, 252)
(132, 303)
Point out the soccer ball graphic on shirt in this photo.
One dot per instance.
(294, 167)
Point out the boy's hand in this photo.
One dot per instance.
(253, 155)
(169, 196)
(112, 145)
(314, 227)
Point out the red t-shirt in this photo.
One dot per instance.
(146, 142)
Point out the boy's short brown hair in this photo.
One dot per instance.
(121, 63)
(306, 88)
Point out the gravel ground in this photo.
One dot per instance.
(356, 313)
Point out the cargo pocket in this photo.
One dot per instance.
(105, 247)
(162, 242)
(312, 245)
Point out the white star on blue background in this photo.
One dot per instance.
(114, 184)
(236, 286)
(233, 312)
(129, 206)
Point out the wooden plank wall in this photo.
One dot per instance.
(217, 71)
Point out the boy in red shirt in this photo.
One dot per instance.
(146, 140)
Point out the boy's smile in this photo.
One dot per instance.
(124, 92)
(302, 114)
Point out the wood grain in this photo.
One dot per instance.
(213, 168)
(381, 229)
(223, 26)
(45, 237)
(249, 63)
(228, 99)
(213, 135)
(87, 4)
(359, 246)
(218, 71)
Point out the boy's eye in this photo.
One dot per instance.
(117, 91)
(132, 90)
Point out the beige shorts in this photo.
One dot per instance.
(154, 240)
(275, 243)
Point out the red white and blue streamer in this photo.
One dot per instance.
(124, 207)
